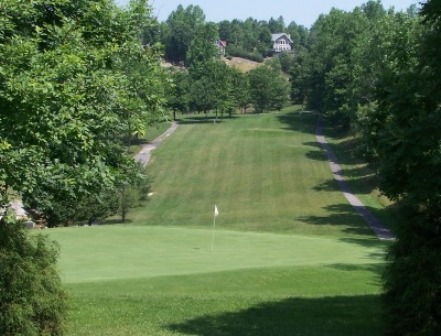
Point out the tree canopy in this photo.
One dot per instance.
(75, 80)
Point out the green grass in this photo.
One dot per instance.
(168, 281)
(151, 133)
(258, 171)
(91, 253)
(331, 300)
(290, 255)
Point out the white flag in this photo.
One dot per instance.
(216, 213)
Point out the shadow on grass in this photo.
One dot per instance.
(342, 315)
(114, 221)
(202, 119)
(199, 122)
(340, 215)
(300, 121)
(347, 215)
(377, 269)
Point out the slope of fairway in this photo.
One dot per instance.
(263, 171)
(116, 252)
(289, 255)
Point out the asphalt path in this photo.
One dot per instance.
(143, 157)
(376, 225)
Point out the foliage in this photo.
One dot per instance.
(132, 195)
(299, 78)
(178, 92)
(268, 88)
(377, 72)
(202, 49)
(179, 31)
(232, 50)
(32, 301)
(70, 90)
(410, 159)
(75, 80)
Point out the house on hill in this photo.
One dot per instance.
(281, 42)
(221, 45)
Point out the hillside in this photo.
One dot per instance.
(242, 64)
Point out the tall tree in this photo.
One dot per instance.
(202, 49)
(181, 27)
(410, 156)
(66, 91)
(268, 88)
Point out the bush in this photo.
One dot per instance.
(32, 301)
(240, 52)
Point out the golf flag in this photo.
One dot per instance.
(216, 213)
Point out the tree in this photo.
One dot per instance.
(241, 89)
(182, 25)
(202, 50)
(277, 26)
(67, 91)
(179, 92)
(299, 73)
(70, 96)
(268, 88)
(410, 161)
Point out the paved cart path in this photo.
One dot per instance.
(376, 225)
(144, 154)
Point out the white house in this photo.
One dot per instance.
(281, 42)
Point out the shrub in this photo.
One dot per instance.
(32, 301)
(240, 52)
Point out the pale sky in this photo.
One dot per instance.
(303, 12)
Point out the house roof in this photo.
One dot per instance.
(275, 37)
(221, 43)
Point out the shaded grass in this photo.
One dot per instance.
(361, 177)
(330, 300)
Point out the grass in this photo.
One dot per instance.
(142, 252)
(290, 256)
(151, 133)
(362, 177)
(259, 171)
(275, 301)
(242, 64)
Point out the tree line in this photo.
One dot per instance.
(250, 39)
(75, 83)
(376, 73)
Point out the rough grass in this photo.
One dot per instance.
(290, 256)
(242, 64)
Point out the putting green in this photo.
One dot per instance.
(101, 253)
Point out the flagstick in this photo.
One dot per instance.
(212, 238)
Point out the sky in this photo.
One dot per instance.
(303, 12)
